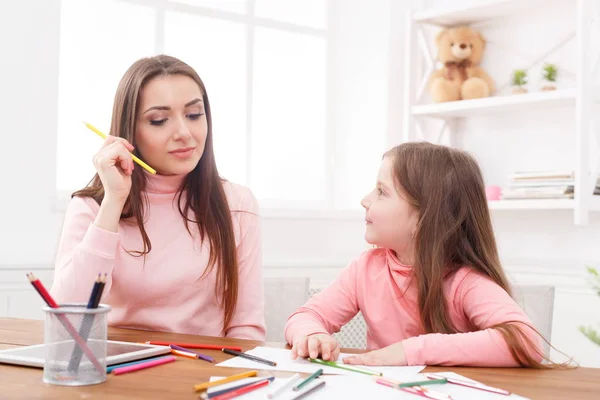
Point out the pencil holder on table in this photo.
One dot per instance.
(75, 339)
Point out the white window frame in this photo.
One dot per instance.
(268, 210)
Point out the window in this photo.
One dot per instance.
(267, 66)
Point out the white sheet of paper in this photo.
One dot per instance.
(285, 363)
(362, 386)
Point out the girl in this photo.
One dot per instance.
(433, 291)
(181, 249)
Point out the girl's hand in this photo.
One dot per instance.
(314, 345)
(391, 355)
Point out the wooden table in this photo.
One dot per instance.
(179, 377)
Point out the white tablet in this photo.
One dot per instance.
(116, 353)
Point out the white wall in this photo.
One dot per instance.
(537, 247)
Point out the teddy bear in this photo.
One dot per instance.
(460, 49)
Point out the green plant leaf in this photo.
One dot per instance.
(590, 334)
(519, 77)
(594, 279)
(549, 72)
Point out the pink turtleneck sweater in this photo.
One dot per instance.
(378, 285)
(164, 293)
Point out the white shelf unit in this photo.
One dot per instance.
(497, 104)
(419, 64)
(546, 204)
(471, 14)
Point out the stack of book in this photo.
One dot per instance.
(540, 185)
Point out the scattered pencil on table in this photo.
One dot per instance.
(198, 355)
(421, 383)
(137, 160)
(249, 357)
(216, 391)
(143, 365)
(206, 385)
(127, 364)
(185, 354)
(312, 377)
(346, 367)
(243, 390)
(194, 345)
(288, 385)
(411, 388)
(310, 390)
(471, 384)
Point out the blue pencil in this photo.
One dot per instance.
(109, 369)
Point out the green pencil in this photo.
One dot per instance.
(307, 380)
(342, 366)
(421, 383)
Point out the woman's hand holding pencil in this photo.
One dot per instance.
(114, 166)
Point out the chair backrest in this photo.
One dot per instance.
(283, 296)
(538, 303)
(353, 335)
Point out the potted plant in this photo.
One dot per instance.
(588, 331)
(549, 73)
(519, 80)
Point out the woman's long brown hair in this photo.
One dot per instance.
(454, 230)
(202, 187)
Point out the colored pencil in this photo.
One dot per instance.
(194, 345)
(88, 321)
(143, 365)
(421, 383)
(284, 387)
(243, 390)
(65, 322)
(113, 367)
(137, 160)
(346, 367)
(312, 377)
(474, 385)
(309, 391)
(249, 357)
(206, 385)
(185, 354)
(200, 356)
(419, 391)
(216, 391)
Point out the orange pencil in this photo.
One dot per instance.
(184, 354)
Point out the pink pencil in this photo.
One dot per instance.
(149, 364)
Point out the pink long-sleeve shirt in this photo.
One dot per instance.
(379, 286)
(164, 292)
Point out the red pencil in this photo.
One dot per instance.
(195, 345)
(241, 391)
(66, 323)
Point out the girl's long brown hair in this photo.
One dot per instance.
(454, 230)
(202, 187)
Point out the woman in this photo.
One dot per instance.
(181, 248)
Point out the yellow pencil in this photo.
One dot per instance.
(206, 385)
(137, 160)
